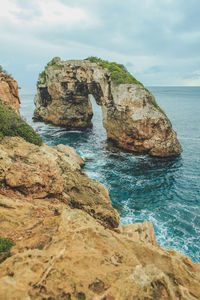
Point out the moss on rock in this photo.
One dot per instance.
(5, 246)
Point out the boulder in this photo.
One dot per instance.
(53, 172)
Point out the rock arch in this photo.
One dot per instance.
(131, 116)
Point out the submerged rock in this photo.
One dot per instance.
(131, 116)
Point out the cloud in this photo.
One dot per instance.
(158, 41)
(43, 13)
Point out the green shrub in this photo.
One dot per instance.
(5, 73)
(5, 246)
(53, 63)
(12, 125)
(57, 66)
(118, 72)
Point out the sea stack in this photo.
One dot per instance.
(133, 120)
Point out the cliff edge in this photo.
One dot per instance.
(69, 243)
(9, 92)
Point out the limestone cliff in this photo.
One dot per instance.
(69, 243)
(131, 117)
(9, 94)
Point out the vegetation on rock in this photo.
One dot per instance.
(12, 125)
(53, 63)
(5, 246)
(118, 72)
(5, 73)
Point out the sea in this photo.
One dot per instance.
(165, 191)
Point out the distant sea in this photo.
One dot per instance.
(142, 188)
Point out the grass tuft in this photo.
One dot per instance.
(5, 246)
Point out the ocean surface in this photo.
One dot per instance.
(142, 188)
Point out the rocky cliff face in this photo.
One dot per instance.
(131, 117)
(69, 243)
(9, 94)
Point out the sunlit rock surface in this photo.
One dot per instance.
(9, 94)
(69, 243)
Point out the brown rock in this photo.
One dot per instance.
(71, 256)
(40, 180)
(9, 94)
(62, 252)
(40, 172)
(143, 232)
(131, 117)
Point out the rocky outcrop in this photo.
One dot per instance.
(9, 94)
(63, 253)
(46, 172)
(69, 243)
(131, 116)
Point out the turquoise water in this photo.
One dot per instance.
(163, 191)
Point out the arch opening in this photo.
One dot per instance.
(97, 118)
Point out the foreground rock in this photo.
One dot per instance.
(9, 94)
(69, 243)
(63, 253)
(44, 172)
(131, 116)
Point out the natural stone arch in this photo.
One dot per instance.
(131, 116)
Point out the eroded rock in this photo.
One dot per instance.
(131, 116)
(43, 172)
(71, 256)
(9, 94)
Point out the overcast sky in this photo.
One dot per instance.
(157, 40)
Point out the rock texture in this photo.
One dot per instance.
(45, 172)
(131, 117)
(69, 243)
(63, 253)
(9, 94)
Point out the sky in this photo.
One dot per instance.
(157, 40)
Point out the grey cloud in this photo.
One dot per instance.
(164, 32)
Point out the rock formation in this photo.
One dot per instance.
(69, 243)
(131, 116)
(9, 94)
